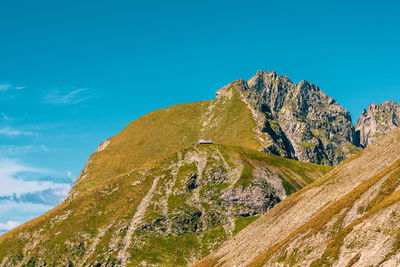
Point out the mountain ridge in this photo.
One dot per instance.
(300, 121)
(377, 120)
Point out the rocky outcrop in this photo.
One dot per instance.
(299, 120)
(377, 120)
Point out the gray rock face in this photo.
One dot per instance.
(222, 201)
(376, 121)
(299, 120)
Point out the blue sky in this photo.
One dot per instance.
(73, 73)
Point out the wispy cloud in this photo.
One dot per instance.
(26, 191)
(15, 179)
(4, 117)
(71, 176)
(72, 97)
(9, 86)
(23, 149)
(15, 150)
(7, 226)
(12, 213)
(11, 132)
(52, 196)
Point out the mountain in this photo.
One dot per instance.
(348, 217)
(171, 211)
(150, 195)
(298, 121)
(161, 132)
(376, 121)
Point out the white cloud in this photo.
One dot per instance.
(19, 150)
(20, 212)
(10, 132)
(4, 227)
(73, 97)
(8, 86)
(71, 176)
(13, 180)
(5, 86)
(15, 150)
(5, 117)
(44, 148)
(27, 192)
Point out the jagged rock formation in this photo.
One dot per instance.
(349, 217)
(298, 121)
(171, 212)
(376, 121)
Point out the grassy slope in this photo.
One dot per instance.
(156, 134)
(66, 233)
(350, 215)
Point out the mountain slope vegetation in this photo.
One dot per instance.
(348, 217)
(172, 211)
(159, 133)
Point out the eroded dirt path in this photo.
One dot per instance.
(123, 255)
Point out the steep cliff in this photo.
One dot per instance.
(298, 121)
(377, 120)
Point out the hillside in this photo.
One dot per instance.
(349, 217)
(172, 211)
(268, 113)
(149, 195)
(159, 133)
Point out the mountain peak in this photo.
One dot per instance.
(261, 72)
(296, 120)
(261, 76)
(377, 120)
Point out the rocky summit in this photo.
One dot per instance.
(298, 121)
(376, 121)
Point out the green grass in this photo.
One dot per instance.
(101, 206)
(164, 131)
(246, 177)
(307, 145)
(242, 222)
(168, 251)
(289, 188)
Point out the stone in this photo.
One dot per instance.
(377, 120)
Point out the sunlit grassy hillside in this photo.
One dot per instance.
(225, 120)
(172, 211)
